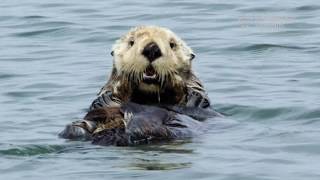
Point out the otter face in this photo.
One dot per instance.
(152, 58)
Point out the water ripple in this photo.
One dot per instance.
(263, 47)
(156, 166)
(31, 150)
(38, 32)
(308, 8)
(264, 77)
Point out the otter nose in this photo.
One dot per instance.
(151, 51)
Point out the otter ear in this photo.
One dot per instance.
(192, 56)
(112, 53)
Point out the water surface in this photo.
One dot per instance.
(259, 62)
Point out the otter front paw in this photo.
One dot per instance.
(78, 130)
(197, 99)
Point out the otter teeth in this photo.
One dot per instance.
(145, 76)
(150, 75)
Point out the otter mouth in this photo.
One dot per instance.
(150, 75)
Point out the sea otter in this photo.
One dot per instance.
(151, 84)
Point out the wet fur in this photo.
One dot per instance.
(112, 121)
(173, 67)
(139, 124)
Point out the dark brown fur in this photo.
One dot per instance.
(106, 118)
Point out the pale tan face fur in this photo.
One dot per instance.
(170, 67)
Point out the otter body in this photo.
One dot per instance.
(133, 124)
(151, 88)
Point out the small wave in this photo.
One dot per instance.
(291, 33)
(94, 39)
(303, 25)
(48, 25)
(34, 17)
(202, 5)
(43, 85)
(20, 94)
(313, 114)
(85, 10)
(261, 9)
(37, 32)
(309, 74)
(307, 8)
(307, 148)
(31, 150)
(252, 113)
(54, 24)
(7, 76)
(263, 47)
(303, 115)
(54, 5)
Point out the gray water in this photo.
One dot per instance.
(259, 62)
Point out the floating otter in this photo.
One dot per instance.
(152, 88)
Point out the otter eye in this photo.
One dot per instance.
(131, 42)
(192, 56)
(173, 45)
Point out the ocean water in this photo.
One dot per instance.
(259, 61)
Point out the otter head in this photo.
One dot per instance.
(152, 59)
